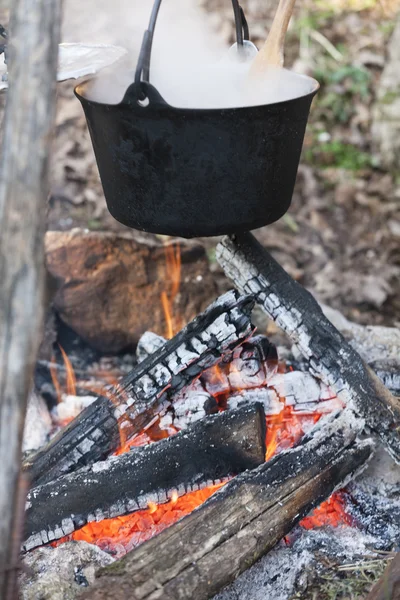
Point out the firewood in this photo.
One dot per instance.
(329, 356)
(388, 586)
(134, 402)
(28, 123)
(223, 445)
(107, 282)
(206, 550)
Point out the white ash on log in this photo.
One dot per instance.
(329, 356)
(206, 453)
(149, 343)
(207, 549)
(134, 402)
(250, 365)
(37, 423)
(376, 344)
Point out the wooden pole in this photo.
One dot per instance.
(28, 123)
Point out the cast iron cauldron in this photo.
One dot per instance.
(195, 172)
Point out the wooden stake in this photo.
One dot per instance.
(23, 191)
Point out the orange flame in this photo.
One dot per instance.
(70, 385)
(173, 276)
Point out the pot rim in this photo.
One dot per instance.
(80, 89)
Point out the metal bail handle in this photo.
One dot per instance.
(142, 73)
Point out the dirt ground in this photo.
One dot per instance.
(341, 235)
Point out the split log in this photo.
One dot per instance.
(206, 550)
(99, 274)
(24, 186)
(134, 402)
(297, 313)
(215, 448)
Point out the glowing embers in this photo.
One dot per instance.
(293, 402)
(121, 534)
(286, 428)
(332, 513)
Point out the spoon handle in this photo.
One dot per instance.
(271, 54)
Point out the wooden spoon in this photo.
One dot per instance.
(271, 54)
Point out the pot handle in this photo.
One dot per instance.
(142, 73)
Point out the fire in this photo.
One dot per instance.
(121, 534)
(173, 276)
(70, 385)
(284, 429)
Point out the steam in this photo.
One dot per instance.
(190, 66)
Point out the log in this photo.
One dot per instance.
(215, 448)
(99, 274)
(388, 586)
(99, 430)
(329, 356)
(206, 550)
(24, 186)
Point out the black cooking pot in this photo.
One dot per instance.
(195, 172)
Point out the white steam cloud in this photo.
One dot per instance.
(190, 66)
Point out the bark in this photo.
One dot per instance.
(388, 587)
(215, 448)
(206, 550)
(132, 405)
(101, 274)
(329, 356)
(34, 37)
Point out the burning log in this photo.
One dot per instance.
(218, 447)
(134, 402)
(297, 313)
(206, 550)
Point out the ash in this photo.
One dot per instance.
(60, 573)
(288, 570)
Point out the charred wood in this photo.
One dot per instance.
(135, 401)
(329, 356)
(218, 447)
(206, 550)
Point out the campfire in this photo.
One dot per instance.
(211, 447)
(210, 423)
